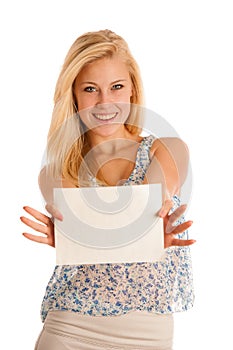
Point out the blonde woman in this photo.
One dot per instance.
(95, 139)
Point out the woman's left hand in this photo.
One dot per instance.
(170, 231)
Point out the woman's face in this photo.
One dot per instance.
(103, 90)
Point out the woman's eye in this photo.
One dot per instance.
(117, 87)
(90, 89)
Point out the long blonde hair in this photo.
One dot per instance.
(67, 143)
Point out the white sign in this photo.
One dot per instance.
(109, 224)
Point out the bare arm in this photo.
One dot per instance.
(47, 183)
(169, 165)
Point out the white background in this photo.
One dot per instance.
(184, 49)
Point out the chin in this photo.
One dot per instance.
(107, 130)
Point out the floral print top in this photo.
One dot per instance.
(162, 287)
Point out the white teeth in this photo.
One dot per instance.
(105, 116)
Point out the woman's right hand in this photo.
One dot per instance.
(46, 226)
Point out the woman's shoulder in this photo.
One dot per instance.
(171, 145)
(173, 156)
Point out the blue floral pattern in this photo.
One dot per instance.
(115, 289)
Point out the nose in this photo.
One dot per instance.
(104, 97)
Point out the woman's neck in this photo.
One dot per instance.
(110, 144)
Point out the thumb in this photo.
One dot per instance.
(165, 208)
(51, 209)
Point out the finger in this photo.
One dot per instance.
(182, 227)
(177, 213)
(182, 242)
(168, 204)
(54, 211)
(174, 217)
(34, 225)
(178, 229)
(34, 238)
(37, 215)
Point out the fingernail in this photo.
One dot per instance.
(162, 213)
(59, 216)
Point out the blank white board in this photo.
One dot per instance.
(109, 224)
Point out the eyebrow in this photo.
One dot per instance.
(93, 83)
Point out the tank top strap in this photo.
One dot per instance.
(142, 161)
(143, 154)
(146, 144)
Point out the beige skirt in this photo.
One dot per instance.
(65, 330)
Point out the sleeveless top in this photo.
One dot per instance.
(108, 289)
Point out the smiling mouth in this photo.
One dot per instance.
(104, 117)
